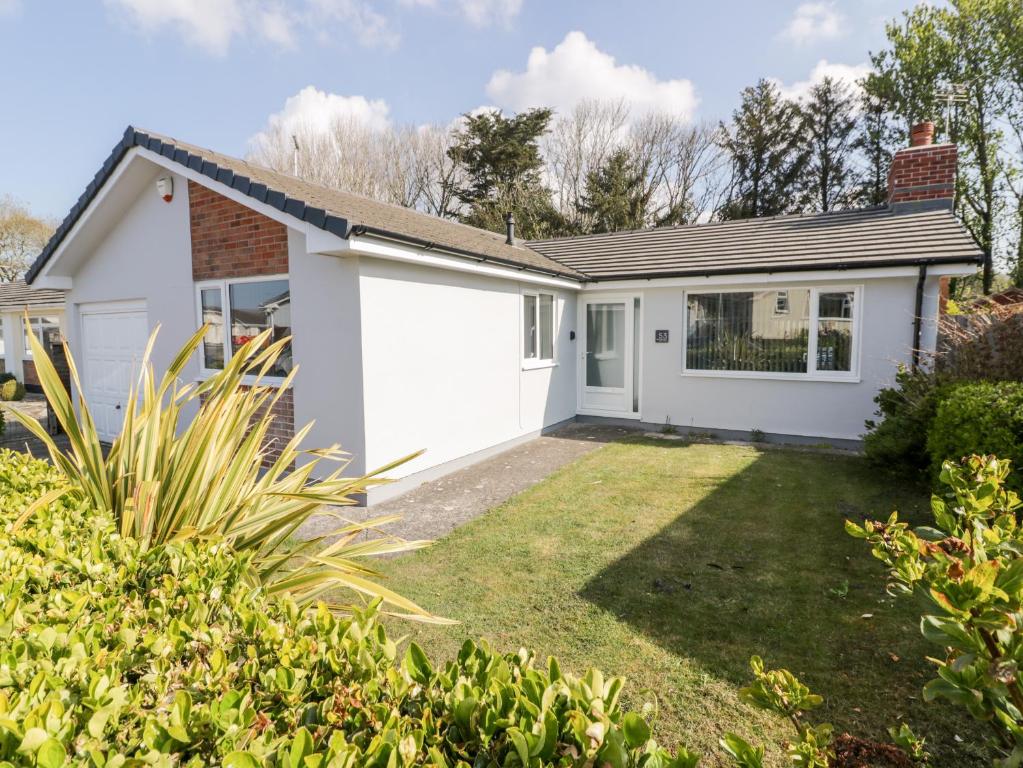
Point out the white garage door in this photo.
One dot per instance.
(113, 342)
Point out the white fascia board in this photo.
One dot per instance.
(761, 278)
(383, 249)
(222, 189)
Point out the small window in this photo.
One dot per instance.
(781, 303)
(538, 326)
(213, 316)
(45, 329)
(251, 307)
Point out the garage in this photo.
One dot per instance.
(113, 341)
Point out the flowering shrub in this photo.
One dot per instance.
(116, 655)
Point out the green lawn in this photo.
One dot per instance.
(671, 564)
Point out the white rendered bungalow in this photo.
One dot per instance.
(416, 332)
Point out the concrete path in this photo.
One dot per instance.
(437, 507)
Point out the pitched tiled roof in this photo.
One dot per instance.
(871, 237)
(338, 212)
(17, 296)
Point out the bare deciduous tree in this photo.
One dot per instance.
(406, 166)
(685, 169)
(22, 237)
(578, 144)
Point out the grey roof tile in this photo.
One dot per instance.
(869, 237)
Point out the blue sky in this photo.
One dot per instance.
(74, 73)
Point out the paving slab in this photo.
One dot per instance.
(439, 506)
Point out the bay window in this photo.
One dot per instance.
(795, 332)
(236, 311)
(538, 327)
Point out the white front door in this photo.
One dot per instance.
(609, 379)
(113, 342)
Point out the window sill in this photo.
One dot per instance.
(758, 376)
(529, 365)
(273, 382)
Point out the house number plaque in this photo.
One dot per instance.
(661, 337)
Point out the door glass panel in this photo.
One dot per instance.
(635, 355)
(605, 345)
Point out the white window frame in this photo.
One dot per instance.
(532, 363)
(812, 374)
(27, 352)
(782, 297)
(225, 306)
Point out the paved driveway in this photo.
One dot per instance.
(437, 507)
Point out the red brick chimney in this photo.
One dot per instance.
(923, 175)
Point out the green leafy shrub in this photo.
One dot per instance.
(6, 376)
(899, 439)
(970, 566)
(979, 418)
(112, 654)
(12, 389)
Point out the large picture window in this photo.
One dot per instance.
(538, 327)
(802, 332)
(236, 311)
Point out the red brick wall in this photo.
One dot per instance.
(232, 240)
(922, 173)
(30, 375)
(282, 428)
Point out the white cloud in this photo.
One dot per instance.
(482, 13)
(213, 24)
(210, 24)
(846, 73)
(479, 13)
(576, 70)
(814, 22)
(314, 111)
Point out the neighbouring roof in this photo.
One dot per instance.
(870, 237)
(329, 209)
(17, 296)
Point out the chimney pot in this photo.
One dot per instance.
(509, 221)
(921, 134)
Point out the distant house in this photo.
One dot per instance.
(416, 332)
(45, 308)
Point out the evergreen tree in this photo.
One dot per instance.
(929, 50)
(766, 153)
(828, 123)
(616, 196)
(501, 162)
(877, 139)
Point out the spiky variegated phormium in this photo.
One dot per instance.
(165, 477)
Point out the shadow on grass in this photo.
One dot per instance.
(761, 565)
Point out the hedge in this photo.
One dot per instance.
(110, 656)
(978, 418)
